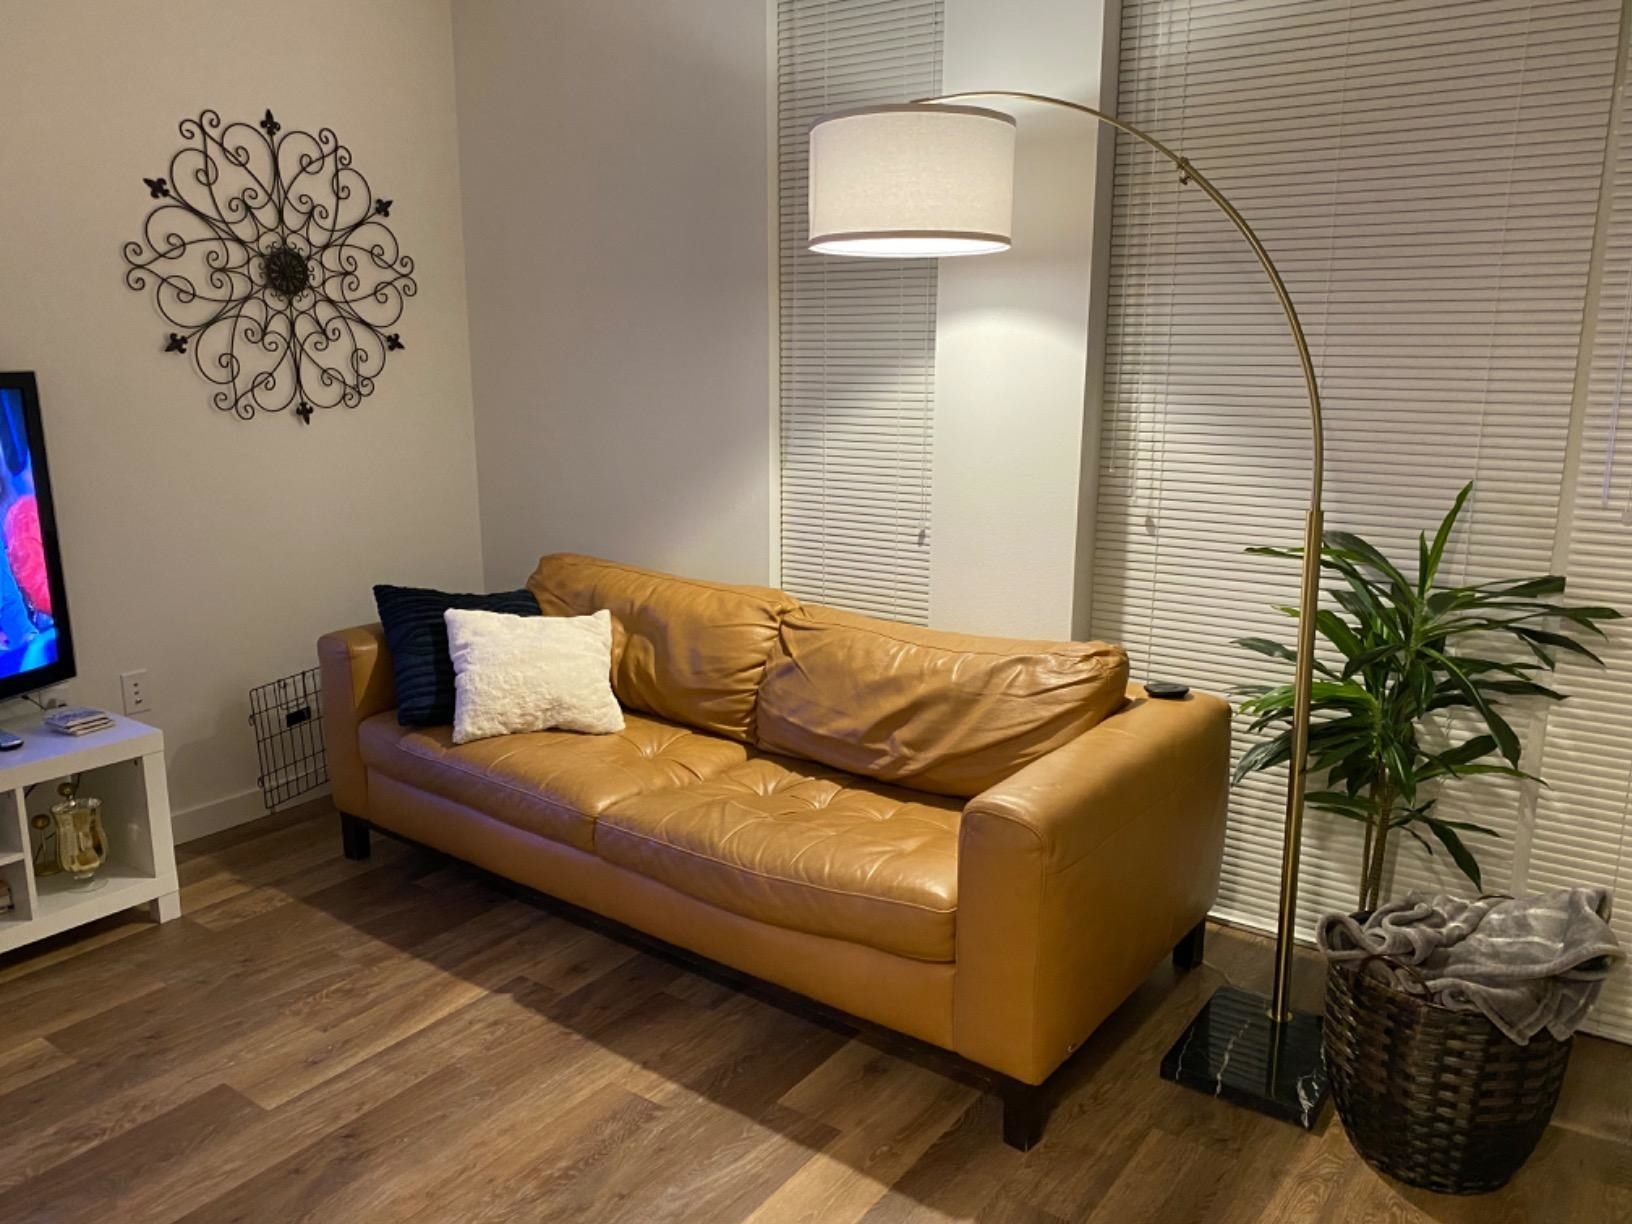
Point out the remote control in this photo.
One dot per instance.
(1166, 690)
(10, 742)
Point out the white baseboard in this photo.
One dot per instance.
(221, 814)
(209, 818)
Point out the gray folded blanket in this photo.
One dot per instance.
(1527, 963)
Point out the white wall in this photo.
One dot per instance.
(616, 219)
(209, 550)
(1012, 341)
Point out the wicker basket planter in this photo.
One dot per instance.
(1437, 1098)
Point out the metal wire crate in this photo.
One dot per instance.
(288, 723)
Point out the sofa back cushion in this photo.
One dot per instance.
(418, 640)
(943, 712)
(682, 649)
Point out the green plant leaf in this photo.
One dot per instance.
(1346, 813)
(1506, 771)
(1520, 688)
(1478, 667)
(1469, 827)
(1506, 741)
(1337, 631)
(1340, 804)
(1265, 721)
(1369, 597)
(1449, 599)
(1449, 838)
(1558, 641)
(1399, 769)
(1267, 755)
(1369, 554)
(1350, 602)
(1271, 703)
(1278, 650)
(1546, 658)
(1368, 658)
(1587, 615)
(1447, 699)
(1330, 695)
(1468, 751)
(1442, 537)
(1266, 646)
(1328, 755)
(1522, 588)
(1357, 772)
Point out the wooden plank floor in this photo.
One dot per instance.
(400, 1040)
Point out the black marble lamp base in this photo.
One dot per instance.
(1232, 1050)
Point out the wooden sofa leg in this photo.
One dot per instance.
(353, 836)
(1025, 1110)
(1189, 952)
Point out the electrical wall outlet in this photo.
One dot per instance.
(138, 697)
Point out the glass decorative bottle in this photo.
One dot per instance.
(82, 844)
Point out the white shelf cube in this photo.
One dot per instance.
(124, 767)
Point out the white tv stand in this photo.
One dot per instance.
(124, 767)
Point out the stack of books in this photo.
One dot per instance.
(81, 720)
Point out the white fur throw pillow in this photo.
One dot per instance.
(531, 673)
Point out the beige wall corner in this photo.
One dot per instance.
(616, 217)
(208, 550)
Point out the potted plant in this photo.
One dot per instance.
(1404, 653)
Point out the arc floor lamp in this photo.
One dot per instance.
(935, 177)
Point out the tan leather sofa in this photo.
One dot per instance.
(981, 843)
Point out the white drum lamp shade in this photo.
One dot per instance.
(912, 181)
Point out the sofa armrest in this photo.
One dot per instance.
(1080, 872)
(355, 666)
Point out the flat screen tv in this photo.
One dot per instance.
(36, 648)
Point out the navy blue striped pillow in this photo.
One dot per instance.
(418, 638)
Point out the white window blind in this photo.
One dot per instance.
(1583, 826)
(1427, 176)
(857, 336)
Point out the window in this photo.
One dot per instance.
(857, 336)
(1427, 175)
(1583, 822)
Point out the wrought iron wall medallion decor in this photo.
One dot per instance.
(270, 257)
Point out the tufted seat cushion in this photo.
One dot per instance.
(551, 783)
(804, 847)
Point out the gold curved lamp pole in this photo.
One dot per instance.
(949, 213)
